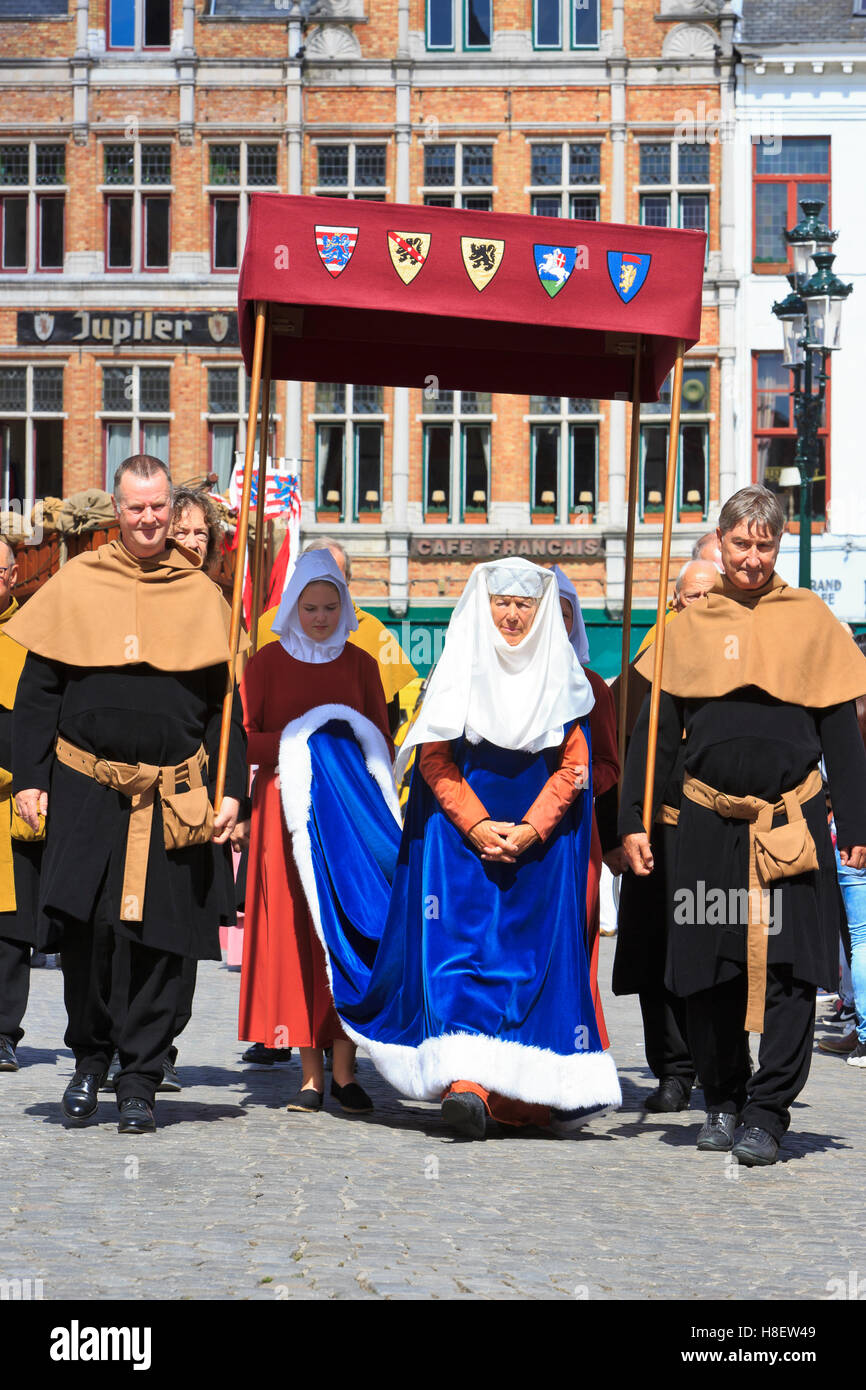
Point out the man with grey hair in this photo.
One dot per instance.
(695, 579)
(706, 547)
(20, 852)
(116, 729)
(760, 680)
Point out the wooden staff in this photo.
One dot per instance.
(261, 523)
(670, 503)
(632, 475)
(240, 552)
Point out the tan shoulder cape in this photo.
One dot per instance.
(395, 668)
(108, 608)
(11, 658)
(783, 640)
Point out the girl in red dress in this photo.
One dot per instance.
(285, 998)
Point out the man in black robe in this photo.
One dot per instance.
(762, 679)
(19, 859)
(116, 734)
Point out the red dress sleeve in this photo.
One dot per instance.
(263, 746)
(450, 789)
(560, 790)
(602, 730)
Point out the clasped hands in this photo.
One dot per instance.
(501, 841)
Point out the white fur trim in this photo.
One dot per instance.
(531, 1074)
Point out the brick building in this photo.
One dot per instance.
(133, 134)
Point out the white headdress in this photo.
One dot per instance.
(314, 567)
(577, 636)
(514, 697)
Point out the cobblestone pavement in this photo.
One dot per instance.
(234, 1198)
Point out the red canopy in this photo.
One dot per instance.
(392, 294)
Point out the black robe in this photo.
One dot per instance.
(130, 714)
(749, 744)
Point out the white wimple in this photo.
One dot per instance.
(531, 1074)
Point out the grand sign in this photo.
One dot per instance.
(137, 327)
(496, 547)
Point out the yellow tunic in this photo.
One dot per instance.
(11, 665)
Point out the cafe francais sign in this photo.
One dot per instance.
(497, 547)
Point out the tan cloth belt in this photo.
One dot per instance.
(774, 853)
(668, 815)
(139, 782)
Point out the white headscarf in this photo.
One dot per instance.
(314, 567)
(577, 637)
(514, 697)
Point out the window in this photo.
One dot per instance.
(228, 408)
(350, 425)
(466, 23)
(135, 414)
(454, 174)
(352, 171)
(457, 455)
(139, 23)
(775, 435)
(563, 457)
(787, 171)
(674, 184)
(577, 20)
(32, 219)
(31, 434)
(565, 180)
(234, 172)
(693, 462)
(137, 220)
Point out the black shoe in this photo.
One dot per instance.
(136, 1116)
(465, 1112)
(352, 1098)
(716, 1134)
(756, 1149)
(261, 1056)
(8, 1060)
(309, 1100)
(170, 1079)
(81, 1096)
(110, 1081)
(671, 1094)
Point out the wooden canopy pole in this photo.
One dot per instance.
(240, 552)
(659, 647)
(261, 522)
(632, 475)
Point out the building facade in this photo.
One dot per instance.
(801, 109)
(134, 133)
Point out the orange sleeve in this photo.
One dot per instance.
(559, 791)
(450, 789)
(602, 732)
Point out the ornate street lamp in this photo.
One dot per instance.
(811, 318)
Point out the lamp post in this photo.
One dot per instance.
(811, 317)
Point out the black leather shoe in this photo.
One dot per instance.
(716, 1134)
(465, 1112)
(8, 1060)
(81, 1096)
(136, 1116)
(671, 1094)
(170, 1079)
(756, 1148)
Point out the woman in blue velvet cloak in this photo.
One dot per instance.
(457, 952)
